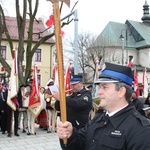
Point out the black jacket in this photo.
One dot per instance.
(19, 97)
(78, 107)
(126, 130)
(139, 106)
(3, 99)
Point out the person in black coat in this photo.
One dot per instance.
(147, 100)
(79, 103)
(138, 104)
(3, 108)
(119, 127)
(50, 112)
(22, 109)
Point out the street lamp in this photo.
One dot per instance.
(124, 43)
(122, 39)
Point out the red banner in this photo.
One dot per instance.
(67, 79)
(34, 97)
(136, 82)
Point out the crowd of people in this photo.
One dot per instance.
(49, 114)
(23, 117)
(119, 123)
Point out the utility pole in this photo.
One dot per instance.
(75, 13)
(76, 71)
(124, 46)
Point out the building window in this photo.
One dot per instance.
(38, 55)
(39, 79)
(3, 51)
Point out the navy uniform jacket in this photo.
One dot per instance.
(78, 107)
(139, 106)
(3, 100)
(126, 130)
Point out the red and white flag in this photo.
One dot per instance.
(130, 62)
(67, 79)
(136, 89)
(145, 83)
(34, 100)
(13, 84)
(50, 24)
(50, 21)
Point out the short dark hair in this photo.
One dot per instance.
(128, 90)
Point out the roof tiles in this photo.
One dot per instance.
(38, 27)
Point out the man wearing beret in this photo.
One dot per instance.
(79, 103)
(119, 127)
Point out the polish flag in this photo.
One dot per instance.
(50, 21)
(67, 79)
(34, 100)
(50, 24)
(13, 84)
(145, 83)
(136, 82)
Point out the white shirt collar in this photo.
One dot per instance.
(114, 112)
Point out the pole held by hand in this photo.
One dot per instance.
(59, 55)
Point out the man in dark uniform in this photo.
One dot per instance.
(22, 111)
(119, 127)
(10, 115)
(79, 103)
(3, 108)
(137, 103)
(51, 113)
(90, 87)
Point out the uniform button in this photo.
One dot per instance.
(105, 122)
(93, 141)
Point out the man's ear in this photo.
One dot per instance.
(122, 92)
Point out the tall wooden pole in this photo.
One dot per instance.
(59, 55)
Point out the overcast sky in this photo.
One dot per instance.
(93, 15)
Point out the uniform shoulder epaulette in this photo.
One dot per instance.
(144, 121)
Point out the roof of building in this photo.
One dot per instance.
(38, 27)
(110, 35)
(136, 34)
(140, 31)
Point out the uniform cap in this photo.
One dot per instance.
(116, 73)
(89, 86)
(76, 79)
